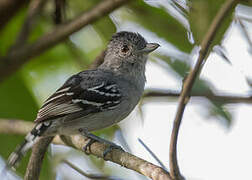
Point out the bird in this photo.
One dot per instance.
(94, 99)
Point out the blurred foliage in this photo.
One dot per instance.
(21, 93)
(158, 20)
(216, 109)
(101, 27)
(18, 103)
(9, 34)
(201, 16)
(56, 65)
(77, 7)
(247, 2)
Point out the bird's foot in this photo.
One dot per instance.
(93, 138)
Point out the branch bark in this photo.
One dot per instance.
(120, 157)
(188, 83)
(8, 9)
(10, 63)
(117, 156)
(34, 9)
(155, 93)
(37, 156)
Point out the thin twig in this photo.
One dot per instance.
(152, 154)
(8, 9)
(17, 58)
(34, 9)
(188, 83)
(98, 60)
(117, 156)
(91, 176)
(77, 57)
(155, 93)
(59, 18)
(60, 11)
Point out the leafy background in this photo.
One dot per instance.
(178, 26)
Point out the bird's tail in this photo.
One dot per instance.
(30, 139)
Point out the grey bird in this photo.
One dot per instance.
(94, 99)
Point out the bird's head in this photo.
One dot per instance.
(130, 47)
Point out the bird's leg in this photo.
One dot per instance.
(93, 138)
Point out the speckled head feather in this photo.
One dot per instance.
(133, 38)
(125, 54)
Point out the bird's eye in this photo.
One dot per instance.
(125, 49)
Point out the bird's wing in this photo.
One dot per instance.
(83, 93)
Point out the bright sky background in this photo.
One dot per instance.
(207, 150)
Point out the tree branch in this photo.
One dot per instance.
(16, 59)
(153, 93)
(188, 83)
(120, 157)
(117, 156)
(34, 9)
(8, 9)
(36, 159)
(15, 126)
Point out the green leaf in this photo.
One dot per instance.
(200, 87)
(218, 110)
(9, 33)
(46, 73)
(17, 103)
(105, 27)
(76, 7)
(201, 15)
(180, 67)
(246, 2)
(160, 22)
(16, 100)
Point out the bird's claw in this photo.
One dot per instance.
(110, 148)
(87, 146)
(93, 138)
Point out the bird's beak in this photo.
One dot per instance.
(150, 47)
